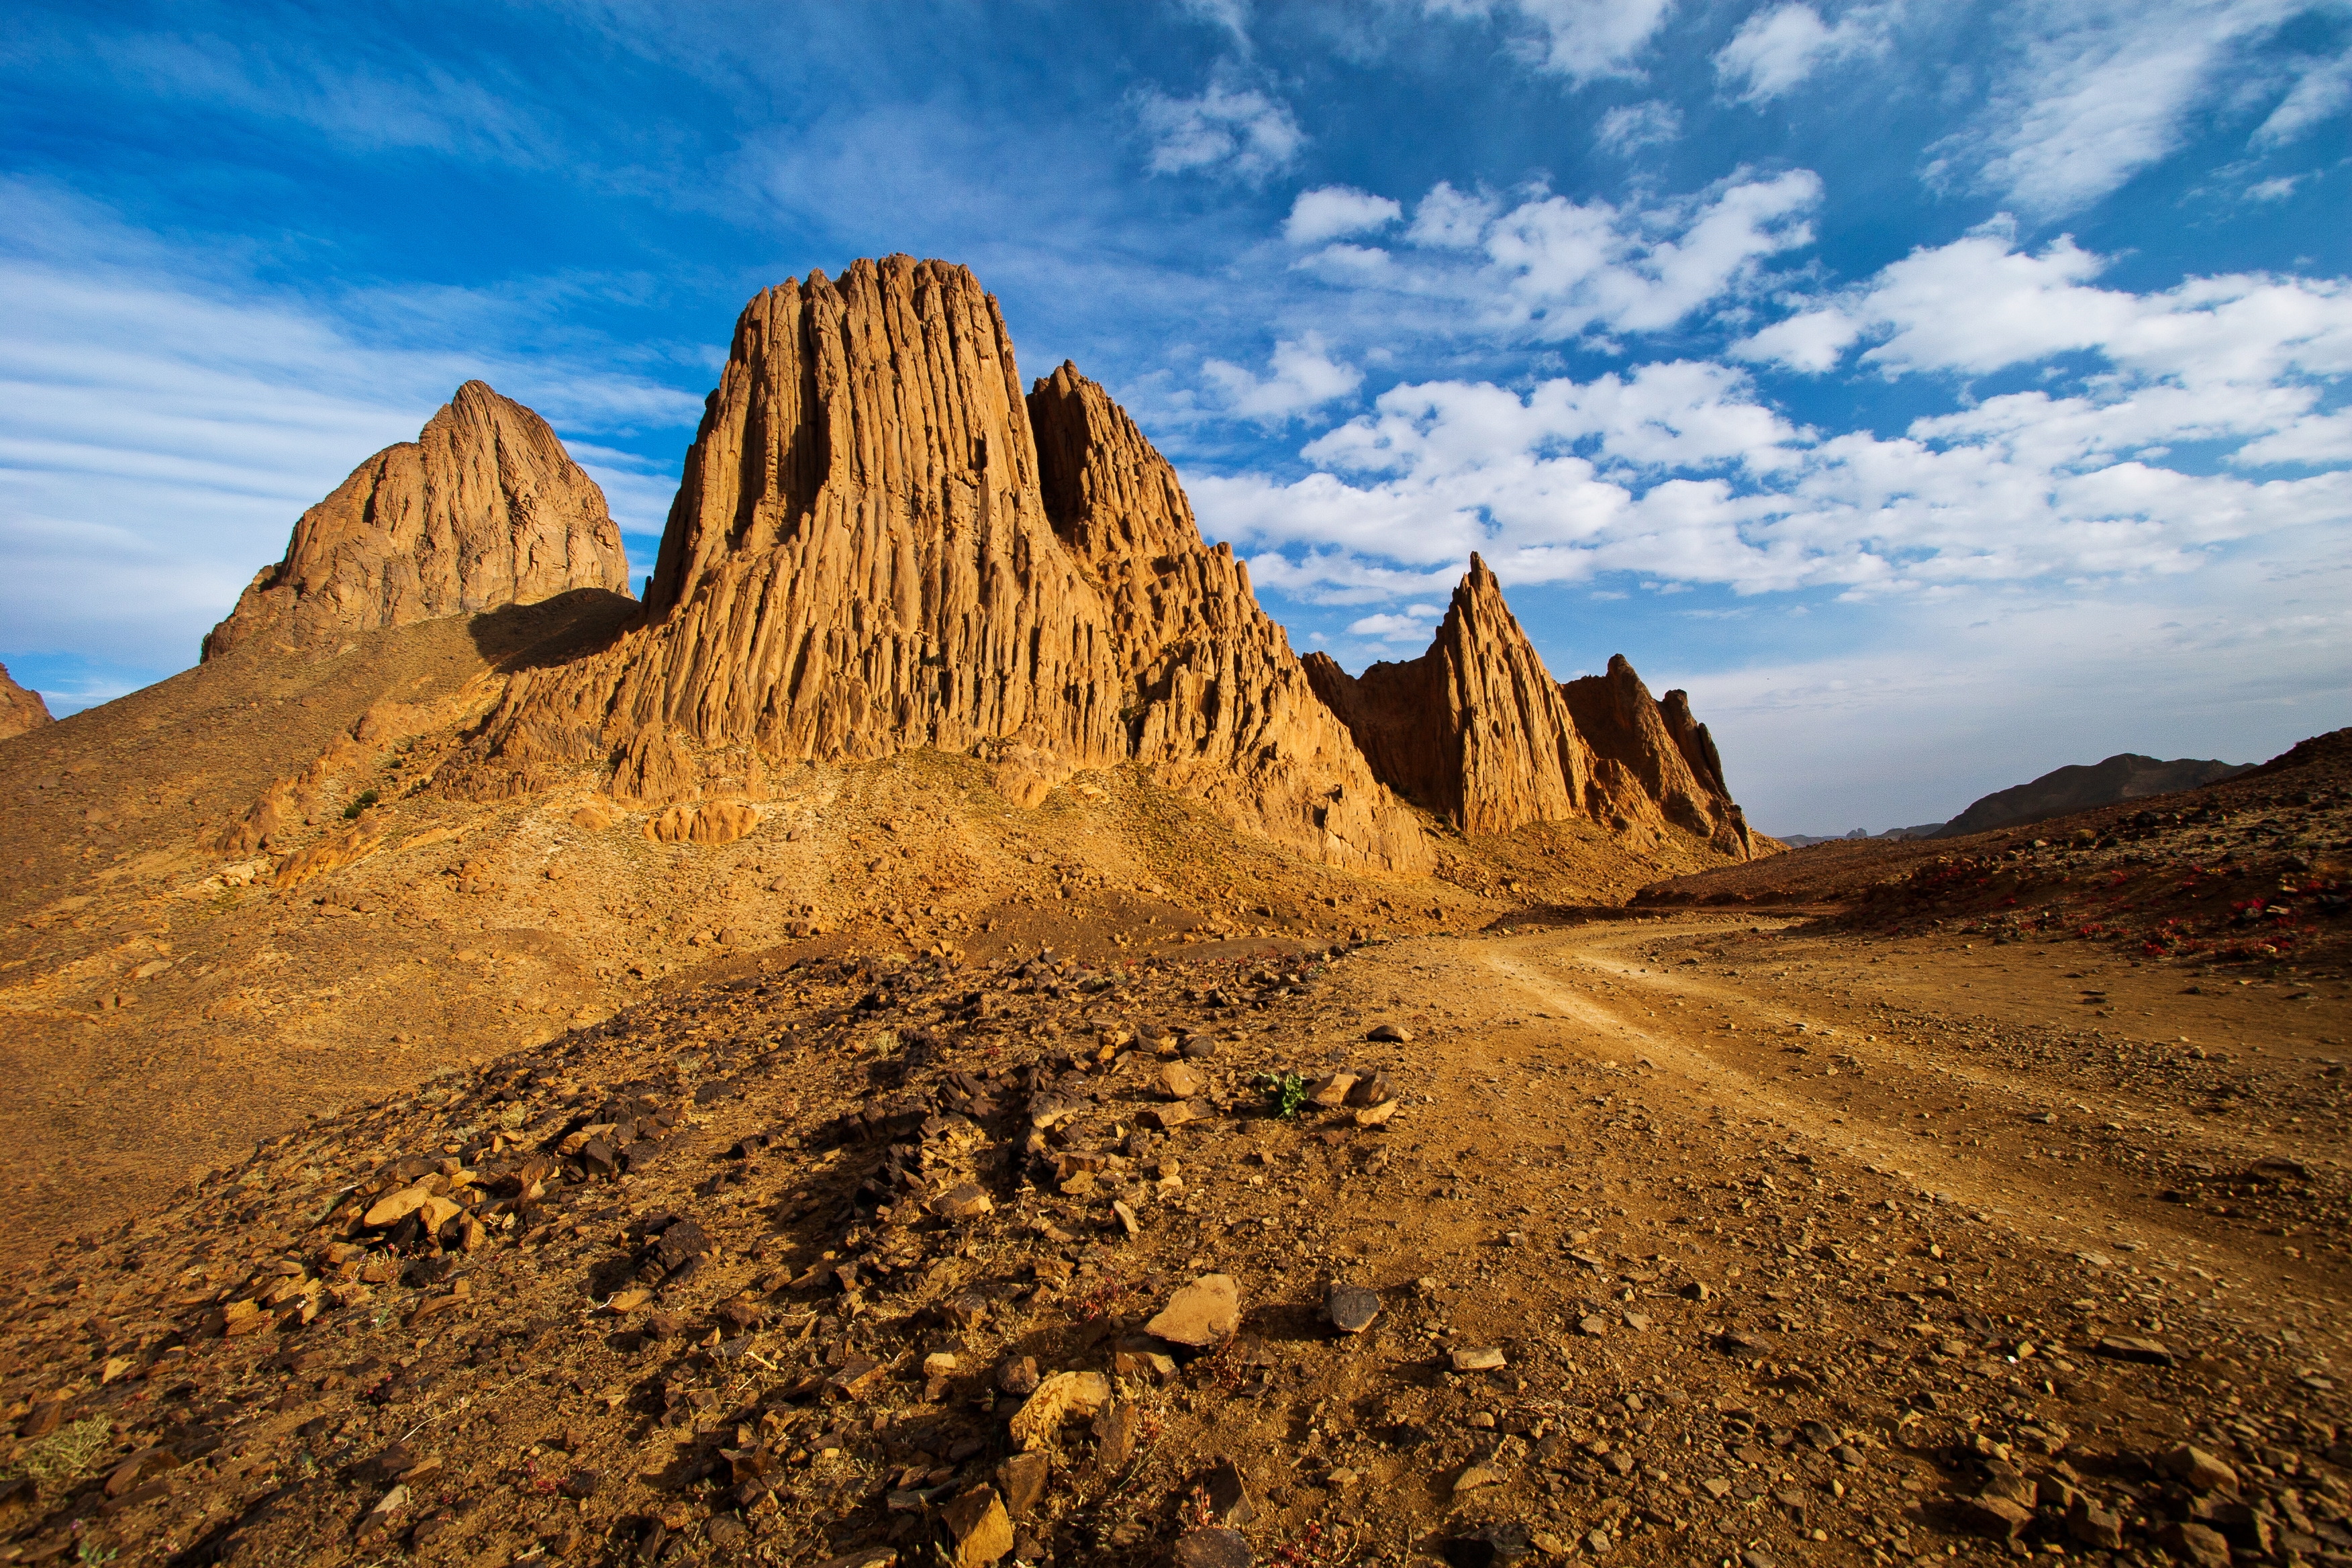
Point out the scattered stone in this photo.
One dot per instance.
(1063, 1395)
(1487, 1360)
(1115, 1430)
(1213, 1547)
(2124, 1347)
(2088, 1524)
(974, 1529)
(1391, 1033)
(964, 1201)
(2197, 1544)
(1021, 1479)
(1017, 1375)
(1229, 1495)
(1201, 1315)
(1374, 1115)
(1181, 1081)
(2001, 1517)
(1351, 1307)
(1473, 1476)
(1592, 1326)
(1496, 1544)
(1330, 1090)
(1695, 1291)
(2199, 1469)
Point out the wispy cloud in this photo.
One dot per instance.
(1631, 127)
(1774, 50)
(1582, 40)
(1233, 130)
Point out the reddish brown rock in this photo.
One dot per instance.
(1654, 762)
(1475, 729)
(485, 508)
(20, 709)
(880, 544)
(1478, 731)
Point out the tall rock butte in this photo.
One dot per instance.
(485, 508)
(20, 709)
(1476, 731)
(879, 543)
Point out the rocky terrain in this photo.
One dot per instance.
(935, 1038)
(19, 710)
(2125, 777)
(485, 508)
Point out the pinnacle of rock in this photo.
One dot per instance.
(484, 509)
(1476, 731)
(20, 709)
(1653, 762)
(879, 545)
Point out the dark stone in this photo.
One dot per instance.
(1496, 1544)
(1351, 1308)
(1214, 1547)
(1229, 1495)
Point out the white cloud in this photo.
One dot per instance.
(1333, 211)
(165, 424)
(2275, 190)
(2099, 89)
(1304, 375)
(2322, 90)
(1232, 131)
(1232, 16)
(1448, 219)
(1776, 50)
(1562, 267)
(1583, 40)
(1630, 127)
(1414, 624)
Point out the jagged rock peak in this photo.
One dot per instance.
(1478, 731)
(1475, 729)
(20, 709)
(485, 508)
(1654, 761)
(869, 553)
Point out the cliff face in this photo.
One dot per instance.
(1476, 731)
(485, 508)
(879, 543)
(20, 709)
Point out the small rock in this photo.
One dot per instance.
(2197, 1544)
(974, 1529)
(1695, 1291)
(2201, 1470)
(2088, 1524)
(1373, 1115)
(1391, 1033)
(1115, 1430)
(1594, 1326)
(1063, 1395)
(1494, 1544)
(1351, 1307)
(1487, 1360)
(1201, 1315)
(1474, 1476)
(1017, 1375)
(965, 1201)
(1330, 1090)
(1179, 1080)
(1999, 1517)
(1213, 1547)
(1022, 1482)
(727, 1532)
(1229, 1495)
(2124, 1347)
(1755, 1560)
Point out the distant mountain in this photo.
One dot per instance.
(2125, 777)
(1893, 834)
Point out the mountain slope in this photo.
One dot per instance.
(2124, 777)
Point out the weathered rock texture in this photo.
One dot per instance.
(1653, 761)
(20, 709)
(1478, 731)
(485, 508)
(879, 543)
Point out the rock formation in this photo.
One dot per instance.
(2126, 775)
(485, 508)
(879, 543)
(20, 709)
(1653, 761)
(1476, 731)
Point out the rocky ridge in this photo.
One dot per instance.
(880, 544)
(20, 709)
(485, 508)
(1476, 731)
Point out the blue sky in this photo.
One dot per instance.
(1942, 392)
